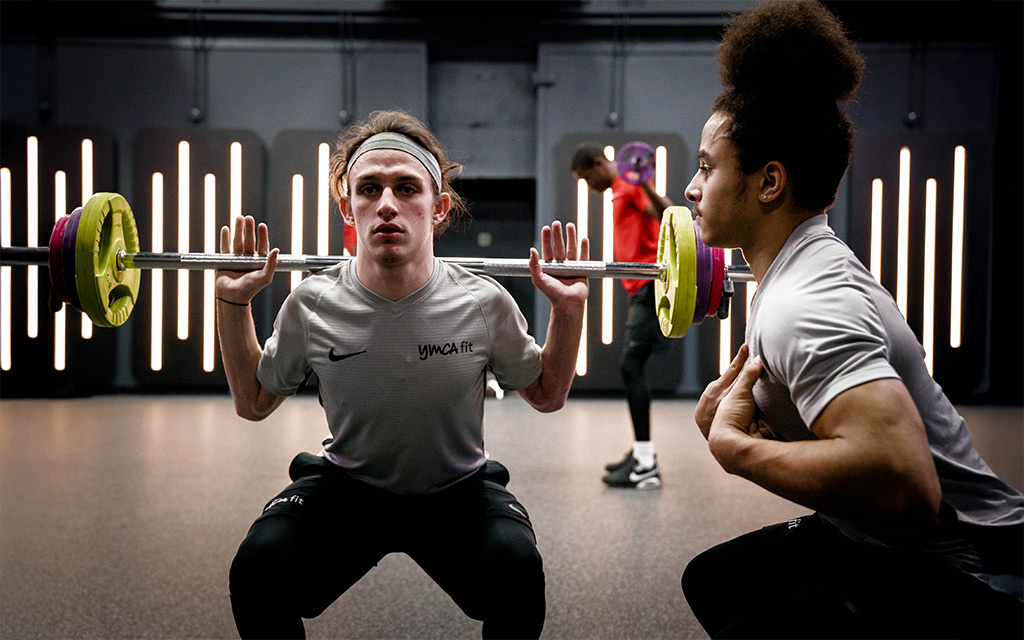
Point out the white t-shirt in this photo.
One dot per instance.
(403, 382)
(822, 325)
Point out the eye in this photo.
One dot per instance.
(367, 189)
(703, 168)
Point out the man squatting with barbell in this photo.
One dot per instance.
(405, 468)
(829, 403)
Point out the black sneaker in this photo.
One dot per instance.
(633, 476)
(626, 461)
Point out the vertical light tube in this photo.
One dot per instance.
(60, 203)
(32, 182)
(661, 171)
(296, 225)
(876, 229)
(608, 255)
(87, 191)
(928, 312)
(903, 234)
(183, 239)
(751, 290)
(5, 272)
(725, 330)
(87, 171)
(156, 320)
(957, 257)
(323, 199)
(209, 246)
(582, 231)
(235, 185)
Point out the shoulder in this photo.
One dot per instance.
(483, 288)
(311, 288)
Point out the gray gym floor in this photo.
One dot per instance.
(119, 516)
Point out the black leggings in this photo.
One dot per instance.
(643, 338)
(326, 530)
(805, 579)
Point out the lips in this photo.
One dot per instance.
(387, 229)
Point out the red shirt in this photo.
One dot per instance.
(636, 231)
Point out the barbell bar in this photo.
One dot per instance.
(95, 265)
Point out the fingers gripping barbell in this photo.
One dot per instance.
(95, 266)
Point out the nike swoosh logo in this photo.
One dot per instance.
(336, 358)
(635, 477)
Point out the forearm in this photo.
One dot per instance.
(240, 353)
(830, 475)
(558, 357)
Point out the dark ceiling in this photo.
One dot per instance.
(496, 29)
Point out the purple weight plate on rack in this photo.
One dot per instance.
(636, 157)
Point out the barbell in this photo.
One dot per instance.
(95, 265)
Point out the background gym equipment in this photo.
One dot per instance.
(636, 162)
(95, 266)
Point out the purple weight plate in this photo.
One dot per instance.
(56, 259)
(635, 158)
(705, 266)
(68, 258)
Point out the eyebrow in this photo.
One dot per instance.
(702, 154)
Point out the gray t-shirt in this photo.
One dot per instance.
(823, 325)
(403, 382)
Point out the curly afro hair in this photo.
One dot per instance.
(785, 67)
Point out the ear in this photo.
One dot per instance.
(772, 181)
(441, 207)
(346, 212)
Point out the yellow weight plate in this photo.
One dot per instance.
(107, 292)
(675, 293)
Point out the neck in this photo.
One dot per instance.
(760, 254)
(394, 281)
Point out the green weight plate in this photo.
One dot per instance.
(107, 293)
(675, 293)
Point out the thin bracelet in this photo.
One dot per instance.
(236, 304)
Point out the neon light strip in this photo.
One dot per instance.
(296, 276)
(928, 321)
(582, 229)
(60, 203)
(87, 191)
(957, 258)
(5, 272)
(183, 239)
(32, 153)
(903, 235)
(209, 246)
(607, 253)
(725, 331)
(235, 186)
(323, 201)
(661, 171)
(876, 229)
(156, 320)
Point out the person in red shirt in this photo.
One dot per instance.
(636, 213)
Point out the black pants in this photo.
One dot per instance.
(643, 338)
(326, 530)
(805, 579)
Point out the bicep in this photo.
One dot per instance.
(883, 437)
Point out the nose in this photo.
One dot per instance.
(692, 191)
(387, 204)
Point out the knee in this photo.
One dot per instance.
(698, 575)
(262, 563)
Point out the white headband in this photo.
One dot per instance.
(399, 142)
